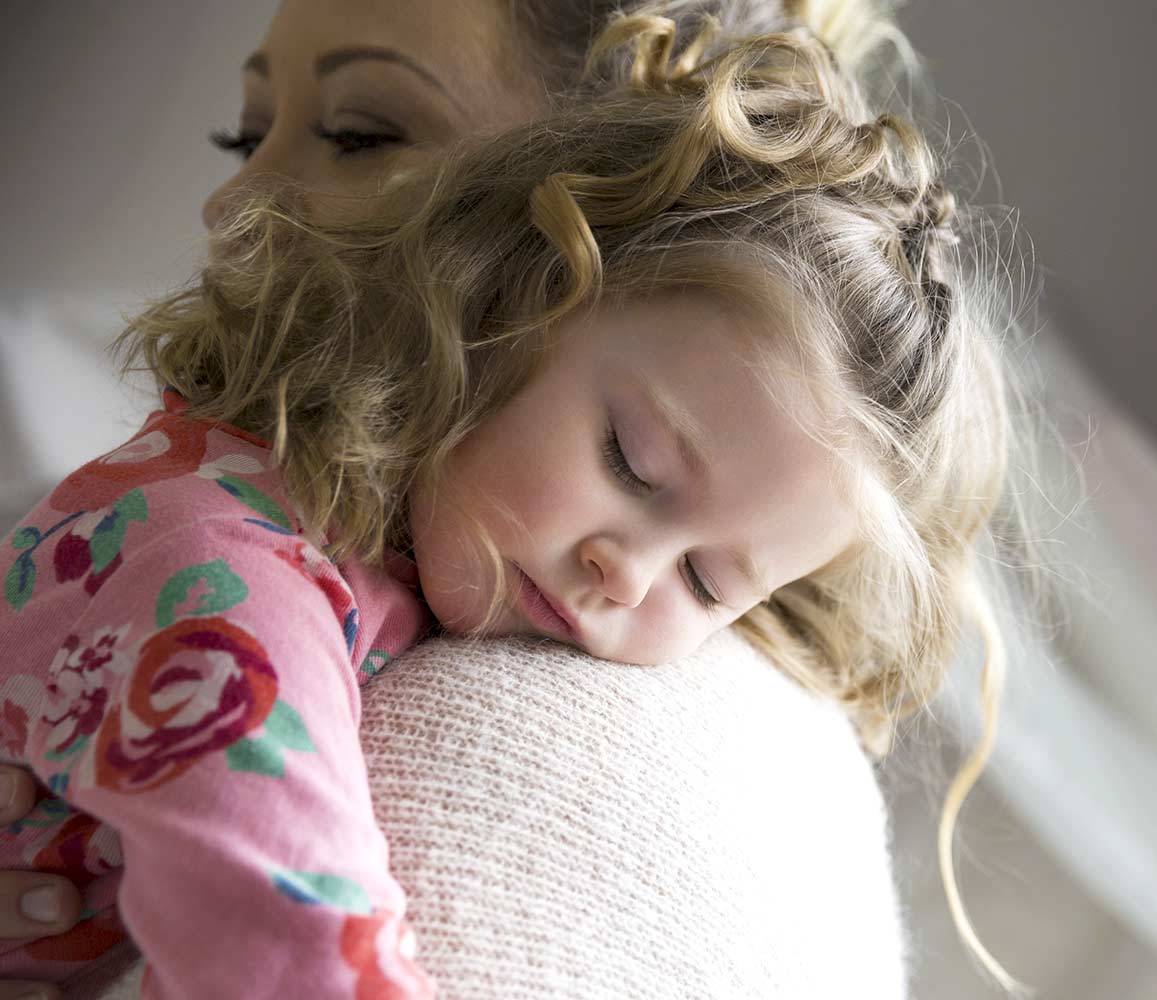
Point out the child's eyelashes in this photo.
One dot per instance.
(346, 142)
(698, 588)
(613, 452)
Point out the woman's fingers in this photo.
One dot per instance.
(17, 793)
(25, 989)
(33, 904)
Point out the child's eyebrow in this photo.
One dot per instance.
(746, 566)
(691, 442)
(679, 424)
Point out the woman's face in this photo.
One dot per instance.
(342, 92)
(588, 486)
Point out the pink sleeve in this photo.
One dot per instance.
(221, 743)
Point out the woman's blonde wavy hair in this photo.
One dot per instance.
(753, 172)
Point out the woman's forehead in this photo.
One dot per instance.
(464, 47)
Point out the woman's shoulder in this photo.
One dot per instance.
(709, 827)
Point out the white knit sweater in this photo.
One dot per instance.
(571, 828)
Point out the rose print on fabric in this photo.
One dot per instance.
(91, 545)
(263, 752)
(321, 888)
(93, 542)
(88, 940)
(164, 449)
(13, 728)
(318, 570)
(380, 948)
(376, 943)
(20, 703)
(81, 848)
(79, 681)
(204, 589)
(20, 579)
(198, 686)
(226, 471)
(374, 663)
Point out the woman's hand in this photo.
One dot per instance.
(32, 904)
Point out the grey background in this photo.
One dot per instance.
(1063, 93)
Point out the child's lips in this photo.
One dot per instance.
(545, 610)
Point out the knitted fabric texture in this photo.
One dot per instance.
(565, 827)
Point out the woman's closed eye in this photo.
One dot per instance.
(345, 141)
(350, 142)
(613, 452)
(243, 144)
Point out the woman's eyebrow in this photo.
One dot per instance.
(331, 61)
(258, 63)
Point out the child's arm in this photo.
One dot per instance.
(228, 760)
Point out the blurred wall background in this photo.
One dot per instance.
(1063, 94)
(104, 113)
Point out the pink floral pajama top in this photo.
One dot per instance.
(180, 668)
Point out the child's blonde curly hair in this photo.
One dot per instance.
(753, 172)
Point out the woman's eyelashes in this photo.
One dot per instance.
(349, 142)
(243, 144)
(613, 452)
(345, 142)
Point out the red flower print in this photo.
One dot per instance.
(381, 948)
(321, 572)
(78, 850)
(166, 447)
(78, 686)
(198, 686)
(86, 941)
(72, 557)
(13, 729)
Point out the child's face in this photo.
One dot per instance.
(618, 559)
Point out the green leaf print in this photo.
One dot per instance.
(374, 663)
(56, 756)
(260, 756)
(254, 498)
(109, 535)
(317, 887)
(19, 581)
(25, 538)
(263, 753)
(284, 725)
(220, 588)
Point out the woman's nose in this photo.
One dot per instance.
(268, 164)
(214, 206)
(623, 576)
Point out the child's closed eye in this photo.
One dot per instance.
(613, 452)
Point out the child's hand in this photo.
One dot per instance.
(31, 904)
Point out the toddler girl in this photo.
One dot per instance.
(694, 351)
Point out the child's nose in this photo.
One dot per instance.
(622, 575)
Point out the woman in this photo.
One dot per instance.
(336, 94)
